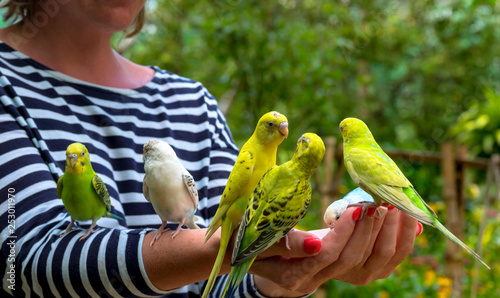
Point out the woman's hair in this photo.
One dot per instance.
(26, 9)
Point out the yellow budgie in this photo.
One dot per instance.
(257, 156)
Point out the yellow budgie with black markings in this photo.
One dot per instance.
(279, 202)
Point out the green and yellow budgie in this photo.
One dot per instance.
(376, 173)
(257, 156)
(84, 194)
(279, 202)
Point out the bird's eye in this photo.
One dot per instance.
(83, 153)
(270, 124)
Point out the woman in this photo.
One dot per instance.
(62, 83)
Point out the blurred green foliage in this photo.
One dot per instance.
(479, 126)
(409, 69)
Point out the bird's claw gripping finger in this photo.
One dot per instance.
(368, 208)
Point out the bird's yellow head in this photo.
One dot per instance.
(310, 151)
(77, 159)
(272, 128)
(353, 128)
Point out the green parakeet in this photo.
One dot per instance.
(257, 156)
(375, 172)
(83, 193)
(278, 203)
(169, 187)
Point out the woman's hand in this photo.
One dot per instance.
(357, 251)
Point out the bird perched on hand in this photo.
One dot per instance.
(357, 197)
(278, 203)
(83, 193)
(376, 173)
(169, 187)
(257, 156)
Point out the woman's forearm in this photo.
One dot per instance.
(173, 263)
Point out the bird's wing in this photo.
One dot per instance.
(145, 189)
(102, 191)
(379, 175)
(272, 213)
(237, 181)
(59, 187)
(191, 187)
(374, 166)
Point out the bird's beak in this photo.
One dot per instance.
(283, 129)
(72, 159)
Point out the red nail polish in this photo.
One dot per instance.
(420, 229)
(391, 207)
(312, 245)
(371, 211)
(356, 213)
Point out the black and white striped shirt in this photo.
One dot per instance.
(42, 111)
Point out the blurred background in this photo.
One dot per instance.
(420, 74)
(424, 76)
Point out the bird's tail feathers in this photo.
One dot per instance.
(214, 225)
(399, 198)
(226, 232)
(453, 238)
(191, 224)
(217, 220)
(109, 214)
(235, 278)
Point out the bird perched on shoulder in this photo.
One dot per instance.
(354, 198)
(376, 173)
(257, 156)
(83, 193)
(169, 187)
(278, 203)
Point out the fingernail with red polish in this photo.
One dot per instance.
(357, 213)
(312, 245)
(391, 207)
(420, 229)
(371, 211)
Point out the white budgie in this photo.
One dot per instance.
(169, 187)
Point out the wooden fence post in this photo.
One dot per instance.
(453, 257)
(461, 189)
(488, 197)
(325, 188)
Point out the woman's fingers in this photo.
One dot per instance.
(296, 244)
(385, 243)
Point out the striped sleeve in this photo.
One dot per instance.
(37, 261)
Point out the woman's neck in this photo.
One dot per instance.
(83, 54)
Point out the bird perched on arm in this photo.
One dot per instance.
(83, 193)
(278, 203)
(376, 173)
(169, 187)
(257, 156)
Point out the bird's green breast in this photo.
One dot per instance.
(80, 198)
